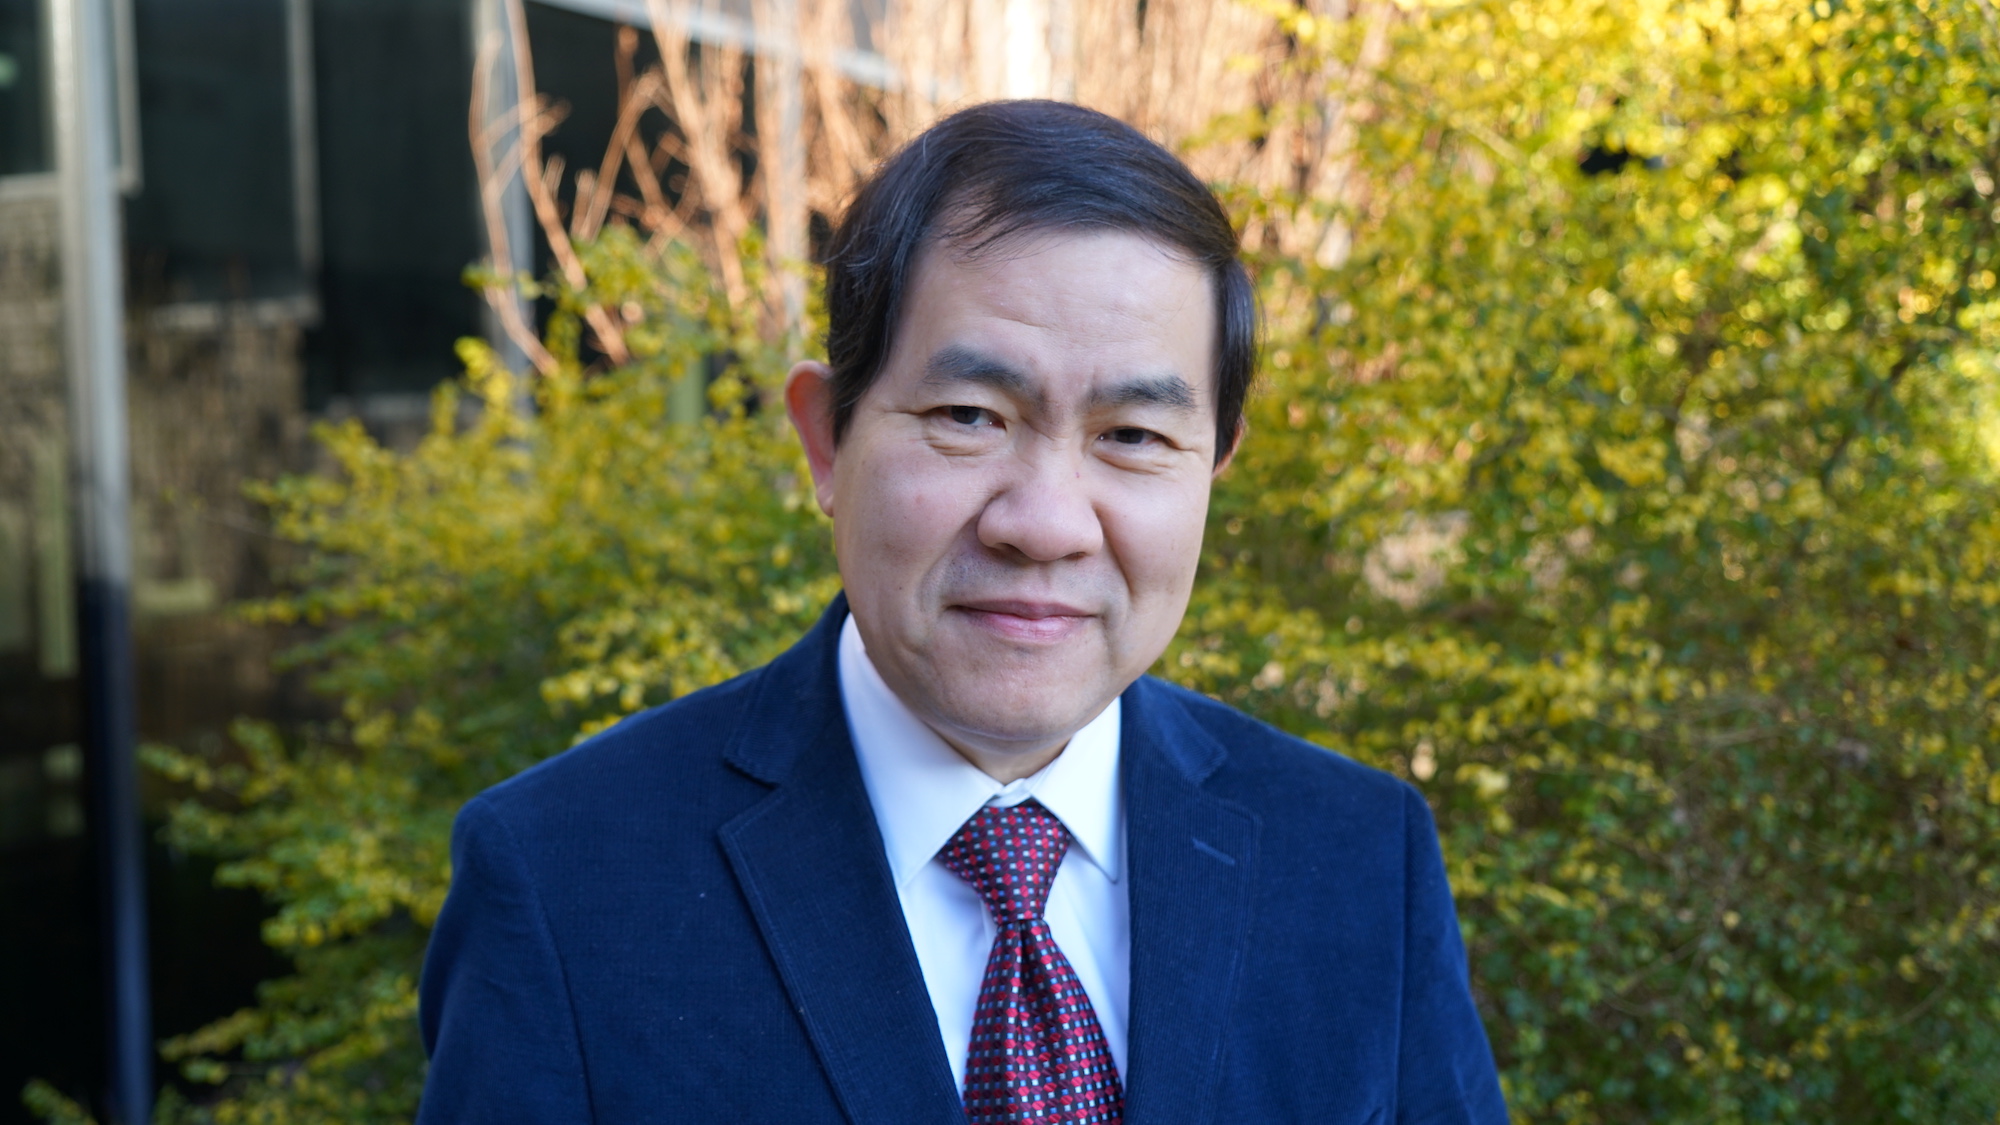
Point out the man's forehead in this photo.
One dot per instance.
(1039, 250)
(1109, 315)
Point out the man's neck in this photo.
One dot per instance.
(1007, 765)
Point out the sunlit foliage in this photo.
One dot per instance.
(1626, 475)
(1625, 488)
(555, 554)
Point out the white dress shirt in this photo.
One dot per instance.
(923, 791)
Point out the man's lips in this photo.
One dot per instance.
(1020, 607)
(1024, 620)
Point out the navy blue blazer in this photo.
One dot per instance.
(690, 918)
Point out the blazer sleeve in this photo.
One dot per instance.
(494, 1002)
(1446, 1072)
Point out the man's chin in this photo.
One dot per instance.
(1005, 717)
(984, 690)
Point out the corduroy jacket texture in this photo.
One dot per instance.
(690, 918)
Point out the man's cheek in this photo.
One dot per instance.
(1159, 542)
(926, 506)
(907, 533)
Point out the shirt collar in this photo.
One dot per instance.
(923, 790)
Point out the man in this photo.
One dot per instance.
(953, 857)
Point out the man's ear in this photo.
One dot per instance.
(809, 403)
(1235, 443)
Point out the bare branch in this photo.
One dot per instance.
(708, 107)
(542, 191)
(503, 299)
(638, 96)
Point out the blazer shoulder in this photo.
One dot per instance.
(1259, 755)
(676, 741)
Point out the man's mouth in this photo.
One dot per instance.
(1024, 620)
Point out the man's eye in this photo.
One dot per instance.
(1130, 435)
(971, 416)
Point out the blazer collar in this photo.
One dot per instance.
(810, 862)
(812, 867)
(796, 696)
(1193, 862)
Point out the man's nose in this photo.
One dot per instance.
(1044, 511)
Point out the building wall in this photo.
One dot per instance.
(216, 399)
(37, 628)
(45, 884)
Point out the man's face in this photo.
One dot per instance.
(1018, 500)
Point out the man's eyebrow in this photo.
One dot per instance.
(1170, 391)
(956, 363)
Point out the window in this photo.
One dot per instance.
(217, 215)
(24, 109)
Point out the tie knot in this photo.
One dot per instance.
(1010, 857)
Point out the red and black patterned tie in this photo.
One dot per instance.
(1037, 1053)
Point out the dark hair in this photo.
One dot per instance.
(1004, 168)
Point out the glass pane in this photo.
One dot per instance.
(24, 127)
(397, 194)
(215, 217)
(46, 896)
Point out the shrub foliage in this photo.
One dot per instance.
(1626, 474)
(1626, 487)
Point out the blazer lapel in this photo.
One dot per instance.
(1193, 860)
(810, 862)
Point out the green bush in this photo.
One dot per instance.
(583, 546)
(1631, 484)
(1648, 518)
